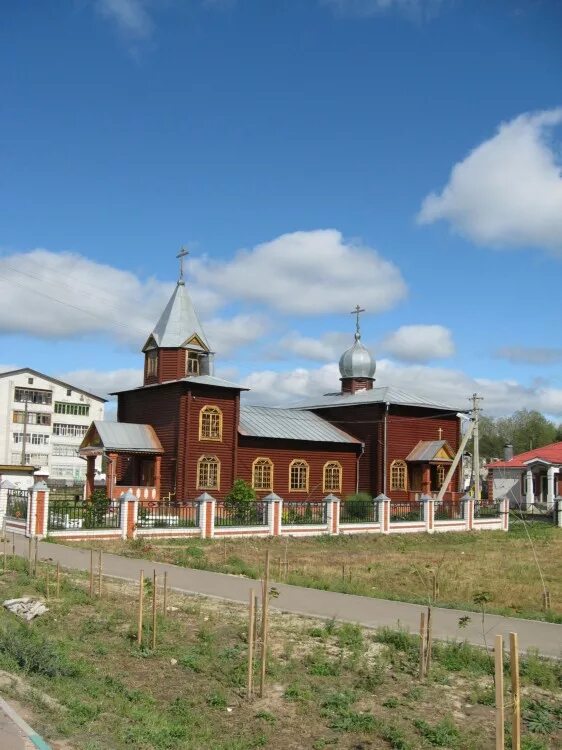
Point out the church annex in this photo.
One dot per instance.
(186, 431)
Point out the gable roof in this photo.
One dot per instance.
(289, 424)
(178, 323)
(62, 383)
(378, 395)
(121, 436)
(431, 450)
(550, 454)
(191, 379)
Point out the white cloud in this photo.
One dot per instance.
(530, 355)
(326, 348)
(413, 9)
(101, 382)
(420, 343)
(306, 273)
(445, 386)
(508, 191)
(63, 295)
(226, 335)
(130, 16)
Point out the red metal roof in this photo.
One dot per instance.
(550, 453)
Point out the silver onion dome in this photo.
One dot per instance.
(356, 362)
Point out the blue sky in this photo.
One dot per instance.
(308, 134)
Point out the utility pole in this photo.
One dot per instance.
(476, 453)
(24, 434)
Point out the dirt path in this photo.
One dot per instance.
(368, 612)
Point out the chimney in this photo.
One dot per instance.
(507, 452)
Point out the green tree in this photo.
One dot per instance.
(526, 430)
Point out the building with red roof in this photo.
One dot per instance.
(529, 478)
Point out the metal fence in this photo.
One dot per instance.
(78, 515)
(304, 512)
(253, 513)
(486, 510)
(447, 510)
(168, 514)
(16, 506)
(72, 494)
(534, 513)
(359, 511)
(406, 510)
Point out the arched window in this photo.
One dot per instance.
(398, 475)
(262, 474)
(332, 476)
(441, 473)
(151, 363)
(298, 476)
(208, 473)
(210, 423)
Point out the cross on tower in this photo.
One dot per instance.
(357, 312)
(181, 255)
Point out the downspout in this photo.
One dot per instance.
(387, 407)
(359, 456)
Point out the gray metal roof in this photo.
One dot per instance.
(196, 379)
(63, 383)
(426, 450)
(379, 395)
(179, 321)
(289, 424)
(123, 436)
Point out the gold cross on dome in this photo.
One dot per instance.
(357, 312)
(180, 256)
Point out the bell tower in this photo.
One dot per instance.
(177, 347)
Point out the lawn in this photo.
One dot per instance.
(82, 681)
(513, 567)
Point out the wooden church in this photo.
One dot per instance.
(186, 431)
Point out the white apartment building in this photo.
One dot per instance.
(43, 421)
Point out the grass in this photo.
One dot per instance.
(83, 680)
(392, 567)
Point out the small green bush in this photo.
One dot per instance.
(32, 652)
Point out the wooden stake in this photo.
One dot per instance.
(141, 597)
(498, 654)
(153, 610)
(5, 550)
(47, 583)
(13, 543)
(36, 556)
(422, 645)
(515, 692)
(343, 572)
(546, 600)
(251, 628)
(30, 557)
(255, 621)
(99, 573)
(91, 574)
(165, 594)
(428, 641)
(264, 623)
(58, 581)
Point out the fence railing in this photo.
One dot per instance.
(359, 511)
(447, 510)
(250, 514)
(16, 505)
(486, 510)
(164, 514)
(534, 512)
(80, 515)
(74, 494)
(304, 512)
(406, 510)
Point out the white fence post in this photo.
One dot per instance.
(504, 513)
(274, 509)
(384, 512)
(207, 504)
(333, 514)
(428, 512)
(468, 507)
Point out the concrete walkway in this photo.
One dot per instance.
(15, 733)
(372, 613)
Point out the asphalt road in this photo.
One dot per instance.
(366, 611)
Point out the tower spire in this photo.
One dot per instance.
(357, 312)
(180, 256)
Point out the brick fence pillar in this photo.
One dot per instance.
(428, 512)
(129, 506)
(504, 513)
(38, 510)
(274, 504)
(468, 511)
(384, 512)
(332, 514)
(206, 515)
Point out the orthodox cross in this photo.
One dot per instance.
(181, 255)
(357, 312)
(440, 433)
